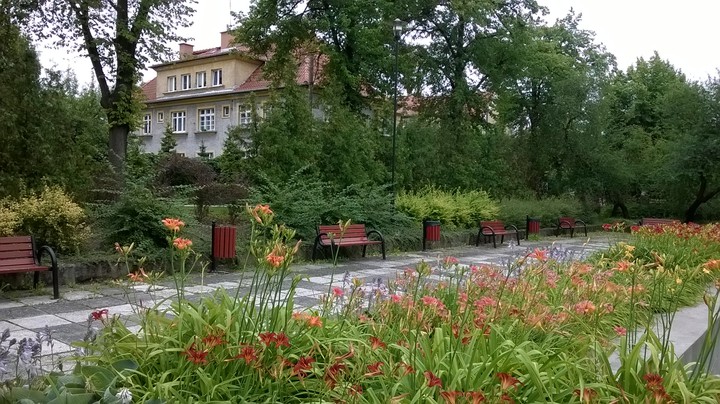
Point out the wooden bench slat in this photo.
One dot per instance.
(16, 254)
(15, 240)
(22, 268)
(16, 261)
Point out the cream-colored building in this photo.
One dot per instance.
(206, 92)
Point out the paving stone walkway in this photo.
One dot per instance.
(25, 313)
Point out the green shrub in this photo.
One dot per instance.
(514, 211)
(137, 217)
(9, 219)
(53, 219)
(454, 208)
(303, 203)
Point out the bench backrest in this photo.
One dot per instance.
(567, 221)
(16, 251)
(496, 225)
(651, 221)
(354, 231)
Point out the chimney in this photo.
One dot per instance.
(226, 39)
(186, 50)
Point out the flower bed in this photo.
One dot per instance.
(537, 330)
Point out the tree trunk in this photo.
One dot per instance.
(117, 146)
(700, 198)
(618, 205)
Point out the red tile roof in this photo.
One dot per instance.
(149, 89)
(309, 72)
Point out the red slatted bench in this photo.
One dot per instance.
(496, 228)
(354, 235)
(18, 254)
(651, 221)
(569, 223)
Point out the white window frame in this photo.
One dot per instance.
(244, 115)
(225, 111)
(147, 124)
(171, 84)
(185, 81)
(160, 117)
(217, 79)
(200, 79)
(206, 119)
(179, 121)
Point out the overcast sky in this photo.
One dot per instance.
(683, 32)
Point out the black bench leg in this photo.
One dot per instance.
(382, 247)
(572, 231)
(517, 235)
(364, 249)
(502, 239)
(36, 279)
(494, 241)
(56, 282)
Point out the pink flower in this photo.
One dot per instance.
(337, 292)
(395, 298)
(620, 331)
(182, 243)
(429, 300)
(585, 307)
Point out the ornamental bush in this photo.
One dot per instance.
(53, 219)
(9, 219)
(463, 209)
(548, 210)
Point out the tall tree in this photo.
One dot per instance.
(550, 101)
(119, 37)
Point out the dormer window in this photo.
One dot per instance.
(185, 81)
(217, 77)
(200, 80)
(171, 84)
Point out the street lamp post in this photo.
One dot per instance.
(398, 26)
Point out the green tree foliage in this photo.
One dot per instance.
(52, 131)
(550, 103)
(119, 37)
(168, 142)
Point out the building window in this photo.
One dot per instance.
(244, 115)
(172, 84)
(147, 124)
(217, 77)
(266, 109)
(226, 111)
(207, 154)
(200, 80)
(185, 81)
(161, 117)
(178, 121)
(206, 119)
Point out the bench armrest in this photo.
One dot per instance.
(566, 222)
(511, 226)
(375, 232)
(482, 230)
(581, 222)
(50, 252)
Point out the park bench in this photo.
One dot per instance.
(569, 223)
(18, 255)
(354, 235)
(651, 221)
(496, 228)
